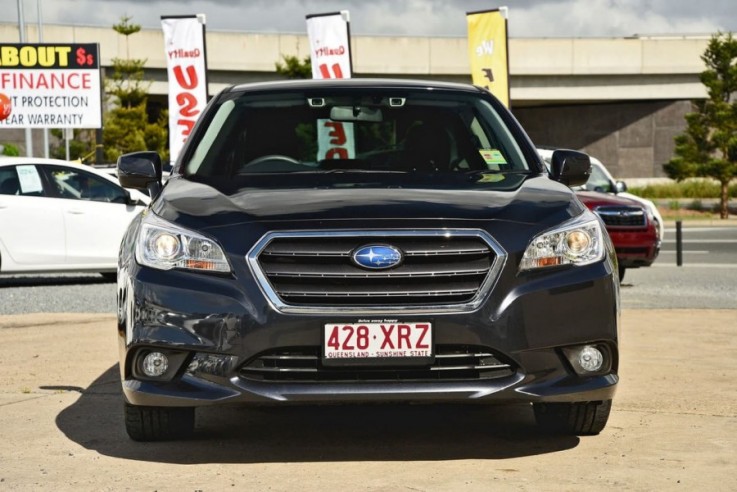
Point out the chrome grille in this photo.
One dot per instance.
(622, 216)
(304, 365)
(449, 269)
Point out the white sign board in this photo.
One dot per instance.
(29, 180)
(50, 86)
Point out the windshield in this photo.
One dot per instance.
(423, 136)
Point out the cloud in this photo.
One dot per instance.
(606, 18)
(528, 18)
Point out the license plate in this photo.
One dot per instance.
(377, 341)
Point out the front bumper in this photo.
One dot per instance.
(525, 320)
(639, 248)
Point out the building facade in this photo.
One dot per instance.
(620, 99)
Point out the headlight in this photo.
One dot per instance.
(576, 242)
(163, 245)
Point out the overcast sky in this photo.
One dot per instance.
(528, 18)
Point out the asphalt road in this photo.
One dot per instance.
(713, 246)
(707, 280)
(58, 293)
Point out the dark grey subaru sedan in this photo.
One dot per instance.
(350, 241)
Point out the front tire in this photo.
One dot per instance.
(158, 423)
(580, 418)
(110, 276)
(622, 270)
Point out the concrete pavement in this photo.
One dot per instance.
(673, 425)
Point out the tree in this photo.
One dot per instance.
(708, 147)
(9, 150)
(293, 68)
(81, 147)
(128, 125)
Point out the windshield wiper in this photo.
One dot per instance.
(494, 174)
(498, 171)
(342, 171)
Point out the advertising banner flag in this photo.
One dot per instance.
(50, 86)
(487, 50)
(330, 53)
(330, 50)
(184, 42)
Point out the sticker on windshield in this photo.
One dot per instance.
(491, 178)
(492, 157)
(29, 180)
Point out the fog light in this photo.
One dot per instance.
(590, 359)
(155, 364)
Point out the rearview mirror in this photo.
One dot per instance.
(620, 187)
(356, 113)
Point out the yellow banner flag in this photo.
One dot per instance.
(487, 49)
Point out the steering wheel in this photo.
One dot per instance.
(271, 157)
(455, 164)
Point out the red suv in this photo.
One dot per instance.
(630, 226)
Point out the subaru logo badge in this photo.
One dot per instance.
(377, 257)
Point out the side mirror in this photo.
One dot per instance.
(570, 167)
(140, 170)
(620, 187)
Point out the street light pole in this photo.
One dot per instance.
(41, 40)
(22, 29)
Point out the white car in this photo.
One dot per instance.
(602, 181)
(58, 216)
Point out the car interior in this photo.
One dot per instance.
(10, 186)
(417, 137)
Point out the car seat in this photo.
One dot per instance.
(10, 186)
(427, 148)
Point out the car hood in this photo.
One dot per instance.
(594, 199)
(534, 200)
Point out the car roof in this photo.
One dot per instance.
(360, 83)
(20, 161)
(14, 161)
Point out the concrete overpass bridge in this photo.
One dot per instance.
(621, 99)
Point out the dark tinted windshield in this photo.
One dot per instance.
(420, 133)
